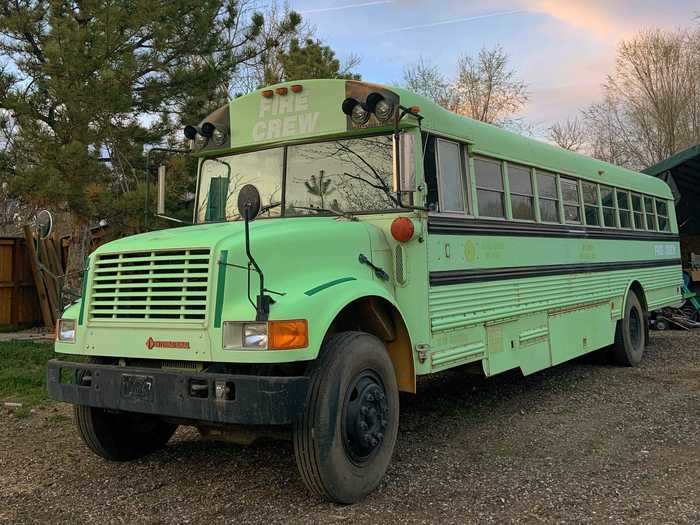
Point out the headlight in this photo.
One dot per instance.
(65, 331)
(244, 336)
(273, 335)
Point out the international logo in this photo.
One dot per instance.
(154, 343)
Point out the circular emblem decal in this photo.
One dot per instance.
(150, 343)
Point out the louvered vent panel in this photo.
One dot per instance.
(161, 285)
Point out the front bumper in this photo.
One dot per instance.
(250, 400)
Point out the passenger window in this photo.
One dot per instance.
(623, 206)
(548, 197)
(590, 202)
(450, 176)
(489, 188)
(649, 210)
(521, 196)
(662, 214)
(572, 206)
(637, 212)
(607, 198)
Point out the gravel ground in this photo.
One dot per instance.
(584, 442)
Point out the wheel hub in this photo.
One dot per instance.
(366, 417)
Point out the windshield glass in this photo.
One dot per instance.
(341, 176)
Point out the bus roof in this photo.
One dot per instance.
(326, 95)
(489, 140)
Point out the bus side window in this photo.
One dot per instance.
(590, 203)
(218, 194)
(649, 210)
(430, 172)
(489, 188)
(607, 196)
(637, 211)
(548, 196)
(450, 176)
(521, 196)
(624, 207)
(662, 214)
(572, 206)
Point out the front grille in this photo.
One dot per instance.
(163, 285)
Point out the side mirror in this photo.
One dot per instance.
(249, 202)
(404, 165)
(161, 190)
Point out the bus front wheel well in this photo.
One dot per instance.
(377, 316)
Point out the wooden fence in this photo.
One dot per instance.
(19, 303)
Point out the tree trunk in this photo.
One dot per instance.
(77, 251)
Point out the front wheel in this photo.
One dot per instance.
(631, 333)
(121, 436)
(344, 441)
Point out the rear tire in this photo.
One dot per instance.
(630, 334)
(121, 436)
(345, 438)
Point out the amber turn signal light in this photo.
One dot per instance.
(402, 229)
(287, 335)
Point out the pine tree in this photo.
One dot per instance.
(94, 81)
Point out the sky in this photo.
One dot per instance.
(563, 49)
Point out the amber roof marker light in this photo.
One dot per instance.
(297, 88)
(267, 93)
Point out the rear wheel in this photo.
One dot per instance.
(344, 441)
(121, 436)
(631, 333)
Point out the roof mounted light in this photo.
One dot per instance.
(355, 110)
(190, 132)
(380, 106)
(208, 129)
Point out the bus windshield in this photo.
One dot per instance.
(322, 178)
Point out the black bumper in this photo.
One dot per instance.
(243, 399)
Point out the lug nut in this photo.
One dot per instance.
(370, 397)
(374, 442)
(364, 410)
(363, 426)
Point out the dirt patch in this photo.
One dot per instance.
(580, 443)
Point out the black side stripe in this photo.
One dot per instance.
(460, 226)
(497, 274)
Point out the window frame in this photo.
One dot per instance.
(643, 226)
(556, 199)
(598, 204)
(658, 215)
(503, 191)
(565, 203)
(517, 194)
(620, 210)
(463, 176)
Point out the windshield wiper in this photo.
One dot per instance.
(346, 215)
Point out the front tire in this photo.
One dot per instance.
(630, 334)
(121, 436)
(345, 439)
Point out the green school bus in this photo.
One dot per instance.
(347, 238)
